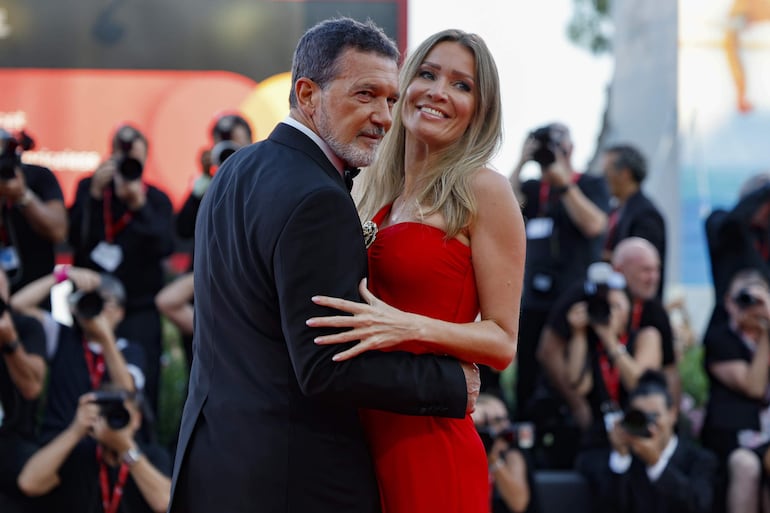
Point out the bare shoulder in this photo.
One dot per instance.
(492, 189)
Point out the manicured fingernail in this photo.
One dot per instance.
(314, 299)
(336, 357)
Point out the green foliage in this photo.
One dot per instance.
(173, 384)
(694, 379)
(590, 26)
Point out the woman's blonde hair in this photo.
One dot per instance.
(447, 186)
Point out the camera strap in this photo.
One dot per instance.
(95, 364)
(112, 228)
(111, 501)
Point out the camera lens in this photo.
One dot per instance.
(744, 299)
(86, 304)
(130, 168)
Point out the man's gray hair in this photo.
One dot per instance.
(319, 48)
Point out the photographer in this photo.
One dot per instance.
(650, 469)
(22, 373)
(736, 426)
(639, 262)
(509, 468)
(229, 133)
(88, 354)
(33, 219)
(565, 214)
(125, 475)
(122, 226)
(634, 214)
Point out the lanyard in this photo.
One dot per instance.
(610, 373)
(95, 363)
(636, 314)
(544, 195)
(111, 228)
(111, 501)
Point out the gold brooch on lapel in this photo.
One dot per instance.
(370, 233)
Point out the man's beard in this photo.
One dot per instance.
(349, 152)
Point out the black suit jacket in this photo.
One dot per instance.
(271, 422)
(641, 218)
(685, 486)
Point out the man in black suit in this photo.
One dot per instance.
(271, 422)
(650, 469)
(634, 215)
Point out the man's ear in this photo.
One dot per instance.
(306, 91)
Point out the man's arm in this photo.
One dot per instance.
(26, 369)
(40, 474)
(321, 252)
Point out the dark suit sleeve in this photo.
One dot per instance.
(320, 251)
(693, 491)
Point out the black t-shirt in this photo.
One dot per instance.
(36, 253)
(728, 409)
(80, 491)
(145, 238)
(69, 378)
(558, 253)
(19, 413)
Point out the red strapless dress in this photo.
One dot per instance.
(425, 464)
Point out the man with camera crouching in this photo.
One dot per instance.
(123, 226)
(86, 354)
(507, 445)
(650, 469)
(125, 475)
(566, 216)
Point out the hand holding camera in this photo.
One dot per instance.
(102, 178)
(113, 425)
(85, 416)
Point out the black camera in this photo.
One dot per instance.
(222, 150)
(10, 156)
(600, 279)
(637, 423)
(86, 305)
(549, 141)
(225, 147)
(745, 299)
(112, 407)
(129, 168)
(516, 434)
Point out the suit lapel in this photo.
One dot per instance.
(290, 136)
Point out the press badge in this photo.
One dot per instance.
(9, 259)
(539, 228)
(107, 256)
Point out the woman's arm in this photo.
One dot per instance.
(175, 302)
(647, 355)
(750, 379)
(498, 246)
